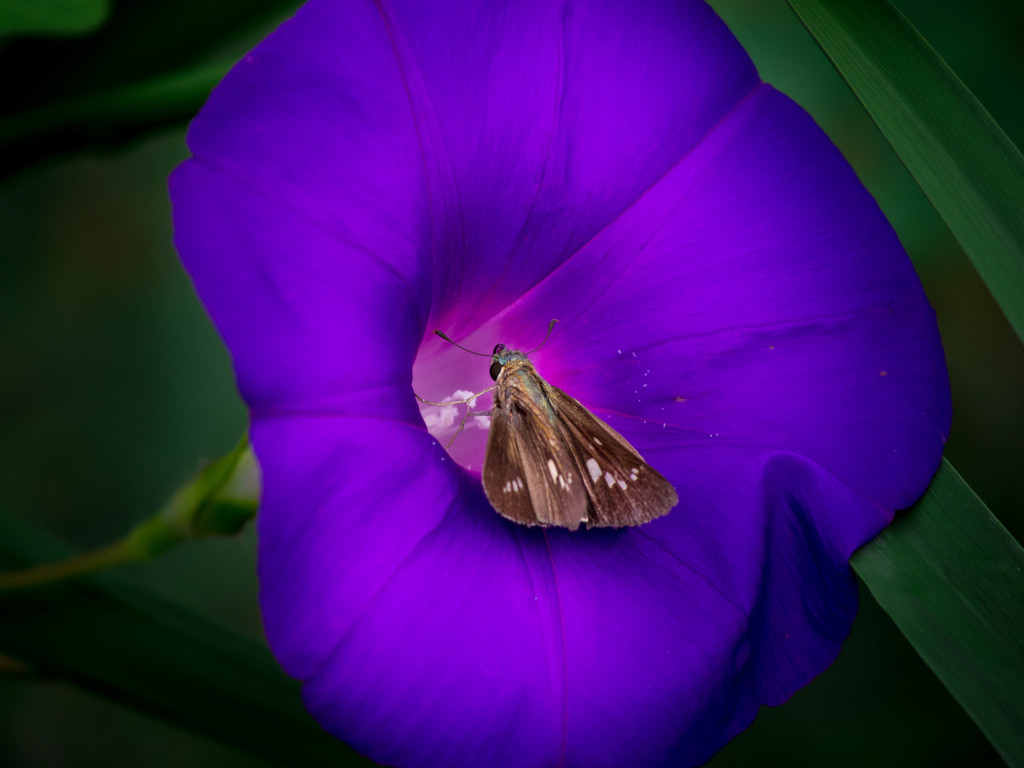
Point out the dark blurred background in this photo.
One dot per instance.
(114, 388)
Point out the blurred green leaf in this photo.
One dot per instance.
(143, 44)
(51, 17)
(141, 39)
(952, 578)
(153, 655)
(969, 169)
(105, 119)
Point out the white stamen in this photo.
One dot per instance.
(462, 394)
(441, 418)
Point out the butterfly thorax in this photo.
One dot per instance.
(516, 378)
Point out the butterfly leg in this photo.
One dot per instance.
(462, 424)
(457, 402)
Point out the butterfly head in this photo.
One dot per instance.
(501, 357)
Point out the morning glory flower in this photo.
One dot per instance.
(730, 299)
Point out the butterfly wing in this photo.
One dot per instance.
(621, 487)
(529, 474)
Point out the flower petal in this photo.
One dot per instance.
(778, 310)
(307, 180)
(552, 118)
(697, 618)
(369, 131)
(423, 622)
(730, 297)
(302, 340)
(433, 632)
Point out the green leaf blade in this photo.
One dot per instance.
(952, 578)
(969, 169)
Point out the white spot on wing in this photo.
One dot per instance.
(552, 469)
(609, 479)
(594, 469)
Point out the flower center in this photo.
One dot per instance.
(456, 414)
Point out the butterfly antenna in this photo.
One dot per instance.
(551, 327)
(445, 337)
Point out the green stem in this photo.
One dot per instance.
(220, 500)
(88, 562)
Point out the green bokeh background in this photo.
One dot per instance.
(114, 388)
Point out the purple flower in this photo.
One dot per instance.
(731, 300)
